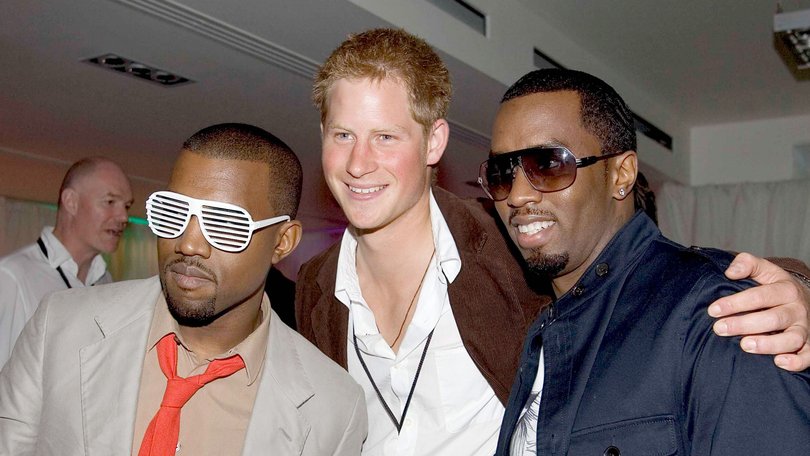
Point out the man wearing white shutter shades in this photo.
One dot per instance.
(193, 361)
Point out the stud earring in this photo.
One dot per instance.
(621, 192)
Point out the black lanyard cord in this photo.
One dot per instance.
(58, 268)
(397, 424)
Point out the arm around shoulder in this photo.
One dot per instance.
(775, 316)
(741, 403)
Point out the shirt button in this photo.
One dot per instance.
(602, 269)
(578, 291)
(612, 451)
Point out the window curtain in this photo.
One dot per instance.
(22, 221)
(766, 219)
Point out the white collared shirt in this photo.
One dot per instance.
(26, 276)
(454, 411)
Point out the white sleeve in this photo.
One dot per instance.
(21, 383)
(12, 313)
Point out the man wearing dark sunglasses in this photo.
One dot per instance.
(421, 300)
(624, 360)
(193, 361)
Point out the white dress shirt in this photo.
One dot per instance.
(26, 276)
(454, 411)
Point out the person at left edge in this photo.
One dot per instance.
(89, 374)
(91, 215)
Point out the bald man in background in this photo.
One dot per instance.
(94, 200)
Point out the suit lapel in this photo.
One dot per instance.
(276, 422)
(111, 371)
(330, 317)
(480, 288)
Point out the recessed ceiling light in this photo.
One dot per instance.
(128, 66)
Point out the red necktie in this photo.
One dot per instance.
(161, 436)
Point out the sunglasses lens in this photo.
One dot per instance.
(226, 228)
(496, 176)
(549, 169)
(167, 216)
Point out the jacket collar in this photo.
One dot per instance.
(489, 309)
(468, 233)
(621, 253)
(276, 421)
(108, 407)
(330, 318)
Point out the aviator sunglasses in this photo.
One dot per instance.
(225, 226)
(548, 169)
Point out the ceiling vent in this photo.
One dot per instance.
(139, 70)
(226, 34)
(792, 38)
(465, 13)
(542, 61)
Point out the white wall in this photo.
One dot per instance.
(507, 53)
(755, 151)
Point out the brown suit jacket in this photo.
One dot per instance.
(491, 300)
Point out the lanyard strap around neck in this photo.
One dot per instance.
(58, 268)
(397, 423)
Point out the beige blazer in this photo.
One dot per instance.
(71, 384)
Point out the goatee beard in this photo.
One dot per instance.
(187, 315)
(201, 314)
(547, 265)
(193, 316)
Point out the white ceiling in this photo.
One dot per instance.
(713, 61)
(54, 106)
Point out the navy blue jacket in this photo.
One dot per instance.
(631, 362)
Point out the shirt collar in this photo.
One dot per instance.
(446, 249)
(252, 349)
(444, 268)
(58, 256)
(347, 285)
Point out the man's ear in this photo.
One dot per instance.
(437, 141)
(69, 200)
(289, 235)
(624, 171)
